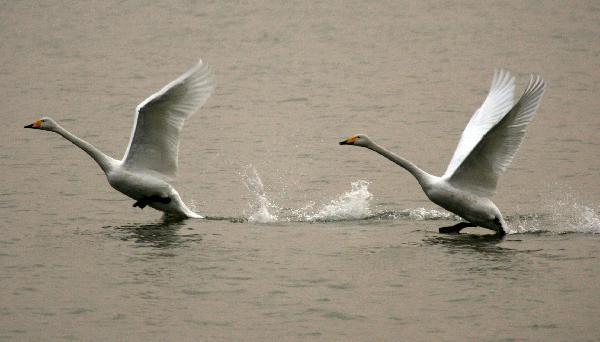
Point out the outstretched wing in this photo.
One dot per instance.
(154, 142)
(489, 158)
(497, 103)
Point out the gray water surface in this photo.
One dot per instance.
(305, 239)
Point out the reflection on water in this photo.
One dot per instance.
(166, 233)
(485, 255)
(489, 250)
(487, 247)
(487, 244)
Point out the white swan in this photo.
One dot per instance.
(485, 150)
(150, 160)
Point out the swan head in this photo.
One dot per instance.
(45, 123)
(357, 140)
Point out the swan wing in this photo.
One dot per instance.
(154, 142)
(480, 170)
(497, 103)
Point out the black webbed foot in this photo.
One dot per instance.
(455, 229)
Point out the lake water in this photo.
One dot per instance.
(305, 239)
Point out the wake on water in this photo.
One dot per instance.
(565, 215)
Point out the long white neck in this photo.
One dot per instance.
(106, 163)
(422, 177)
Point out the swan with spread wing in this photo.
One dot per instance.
(484, 151)
(150, 160)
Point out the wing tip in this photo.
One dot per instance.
(536, 81)
(203, 72)
(535, 88)
(502, 80)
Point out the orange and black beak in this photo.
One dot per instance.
(349, 141)
(34, 125)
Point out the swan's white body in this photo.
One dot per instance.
(150, 160)
(486, 148)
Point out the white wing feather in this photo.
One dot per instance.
(492, 155)
(498, 102)
(154, 142)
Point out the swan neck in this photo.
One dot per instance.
(421, 176)
(105, 162)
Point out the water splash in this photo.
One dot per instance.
(351, 205)
(262, 209)
(528, 223)
(569, 215)
(565, 215)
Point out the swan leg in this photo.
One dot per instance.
(455, 229)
